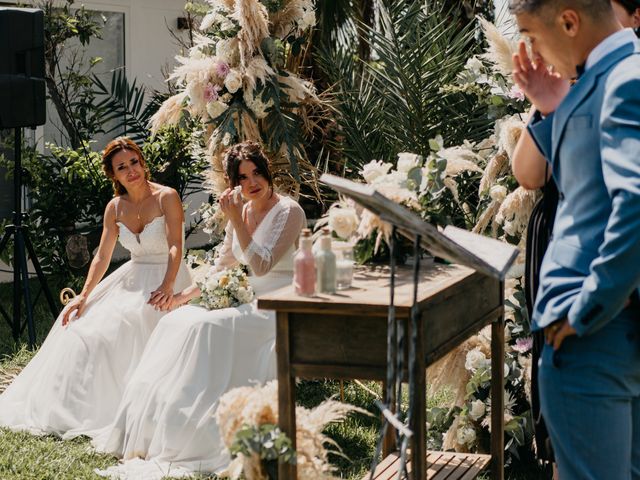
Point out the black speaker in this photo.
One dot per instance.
(22, 85)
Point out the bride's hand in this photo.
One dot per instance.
(77, 305)
(231, 205)
(161, 297)
(176, 301)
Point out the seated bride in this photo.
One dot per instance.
(75, 382)
(166, 420)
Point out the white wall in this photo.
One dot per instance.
(148, 43)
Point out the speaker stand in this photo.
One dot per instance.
(21, 246)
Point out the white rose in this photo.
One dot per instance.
(465, 435)
(477, 410)
(475, 359)
(498, 193)
(407, 161)
(374, 169)
(245, 295)
(233, 81)
(343, 221)
(217, 108)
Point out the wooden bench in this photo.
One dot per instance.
(440, 466)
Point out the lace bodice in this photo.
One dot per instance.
(272, 245)
(149, 244)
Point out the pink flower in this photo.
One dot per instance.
(523, 345)
(516, 93)
(222, 69)
(211, 92)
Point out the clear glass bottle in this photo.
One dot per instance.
(304, 266)
(325, 264)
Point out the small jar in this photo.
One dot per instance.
(325, 265)
(304, 266)
(344, 264)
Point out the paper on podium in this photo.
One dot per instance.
(487, 255)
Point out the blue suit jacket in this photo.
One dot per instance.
(592, 141)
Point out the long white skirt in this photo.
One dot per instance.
(165, 424)
(75, 382)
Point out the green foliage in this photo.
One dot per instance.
(268, 442)
(123, 104)
(395, 103)
(173, 163)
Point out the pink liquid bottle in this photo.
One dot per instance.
(304, 266)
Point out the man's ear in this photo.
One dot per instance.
(570, 22)
(635, 18)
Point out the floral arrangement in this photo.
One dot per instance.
(266, 441)
(253, 412)
(225, 288)
(235, 82)
(413, 178)
(502, 211)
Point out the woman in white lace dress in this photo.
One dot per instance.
(75, 382)
(165, 424)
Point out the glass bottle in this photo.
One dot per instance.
(304, 266)
(326, 264)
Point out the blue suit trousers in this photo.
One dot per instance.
(590, 399)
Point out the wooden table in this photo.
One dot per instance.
(344, 336)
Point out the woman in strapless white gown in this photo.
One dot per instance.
(165, 425)
(74, 384)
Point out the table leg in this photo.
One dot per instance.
(497, 396)
(286, 391)
(419, 421)
(389, 441)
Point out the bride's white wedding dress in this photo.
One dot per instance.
(75, 382)
(165, 425)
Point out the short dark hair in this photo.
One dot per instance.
(629, 5)
(251, 151)
(591, 7)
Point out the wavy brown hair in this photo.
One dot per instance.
(251, 151)
(113, 147)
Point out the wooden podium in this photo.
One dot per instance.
(344, 336)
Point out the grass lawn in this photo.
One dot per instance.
(24, 456)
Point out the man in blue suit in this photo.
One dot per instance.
(587, 301)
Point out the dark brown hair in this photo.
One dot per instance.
(592, 8)
(113, 147)
(629, 5)
(246, 151)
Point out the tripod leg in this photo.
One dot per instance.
(41, 277)
(25, 288)
(5, 239)
(16, 288)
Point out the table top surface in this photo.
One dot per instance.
(370, 292)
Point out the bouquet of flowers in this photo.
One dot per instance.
(225, 288)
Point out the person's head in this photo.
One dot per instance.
(563, 32)
(628, 12)
(124, 164)
(246, 165)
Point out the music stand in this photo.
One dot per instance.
(486, 255)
